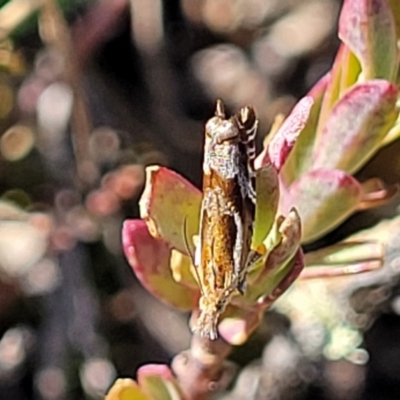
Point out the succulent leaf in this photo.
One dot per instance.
(158, 382)
(345, 253)
(344, 73)
(181, 268)
(300, 159)
(238, 324)
(324, 198)
(368, 29)
(343, 258)
(322, 271)
(285, 138)
(150, 260)
(166, 190)
(393, 134)
(267, 188)
(265, 279)
(376, 193)
(395, 7)
(126, 389)
(356, 126)
(283, 279)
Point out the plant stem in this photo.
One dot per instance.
(55, 33)
(202, 369)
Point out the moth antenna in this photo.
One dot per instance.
(186, 240)
(220, 109)
(190, 253)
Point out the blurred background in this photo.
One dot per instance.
(93, 91)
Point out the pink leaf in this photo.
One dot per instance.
(267, 188)
(344, 73)
(158, 382)
(300, 158)
(323, 198)
(367, 27)
(339, 270)
(287, 280)
(161, 370)
(150, 260)
(238, 324)
(168, 204)
(126, 389)
(356, 126)
(284, 140)
(279, 262)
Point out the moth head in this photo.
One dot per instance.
(219, 129)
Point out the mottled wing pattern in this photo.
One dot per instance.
(227, 213)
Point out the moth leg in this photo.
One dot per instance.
(186, 242)
(247, 185)
(251, 192)
(253, 258)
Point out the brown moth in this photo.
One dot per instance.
(227, 213)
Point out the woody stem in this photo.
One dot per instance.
(202, 370)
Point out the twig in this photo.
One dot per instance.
(202, 370)
(55, 33)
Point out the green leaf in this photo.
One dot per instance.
(283, 279)
(344, 73)
(267, 189)
(345, 253)
(170, 204)
(285, 138)
(126, 389)
(264, 280)
(345, 258)
(395, 7)
(351, 69)
(299, 160)
(393, 134)
(324, 198)
(368, 29)
(356, 126)
(150, 259)
(158, 382)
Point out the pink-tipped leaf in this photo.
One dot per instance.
(237, 324)
(300, 158)
(267, 189)
(284, 280)
(158, 382)
(126, 389)
(323, 198)
(171, 206)
(344, 73)
(357, 126)
(285, 138)
(277, 262)
(150, 260)
(367, 27)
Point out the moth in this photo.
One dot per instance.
(227, 213)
